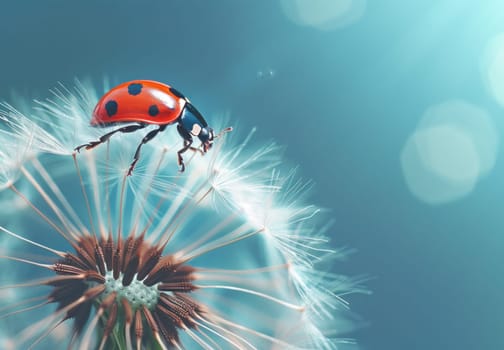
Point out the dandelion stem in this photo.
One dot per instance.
(128, 318)
(153, 327)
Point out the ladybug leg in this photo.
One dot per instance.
(146, 139)
(104, 138)
(197, 149)
(187, 145)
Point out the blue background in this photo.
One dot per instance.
(344, 102)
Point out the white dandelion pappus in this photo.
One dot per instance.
(225, 255)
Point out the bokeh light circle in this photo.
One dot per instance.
(454, 145)
(471, 120)
(324, 14)
(493, 67)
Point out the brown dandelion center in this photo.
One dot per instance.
(127, 280)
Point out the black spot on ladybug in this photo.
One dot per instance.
(135, 88)
(177, 93)
(153, 110)
(111, 107)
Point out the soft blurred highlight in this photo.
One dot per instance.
(454, 145)
(324, 14)
(493, 67)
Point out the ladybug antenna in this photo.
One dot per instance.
(223, 131)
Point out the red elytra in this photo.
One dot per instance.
(144, 101)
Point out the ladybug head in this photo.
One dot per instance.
(206, 137)
(195, 125)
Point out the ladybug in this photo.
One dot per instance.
(141, 103)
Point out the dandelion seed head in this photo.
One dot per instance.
(225, 255)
